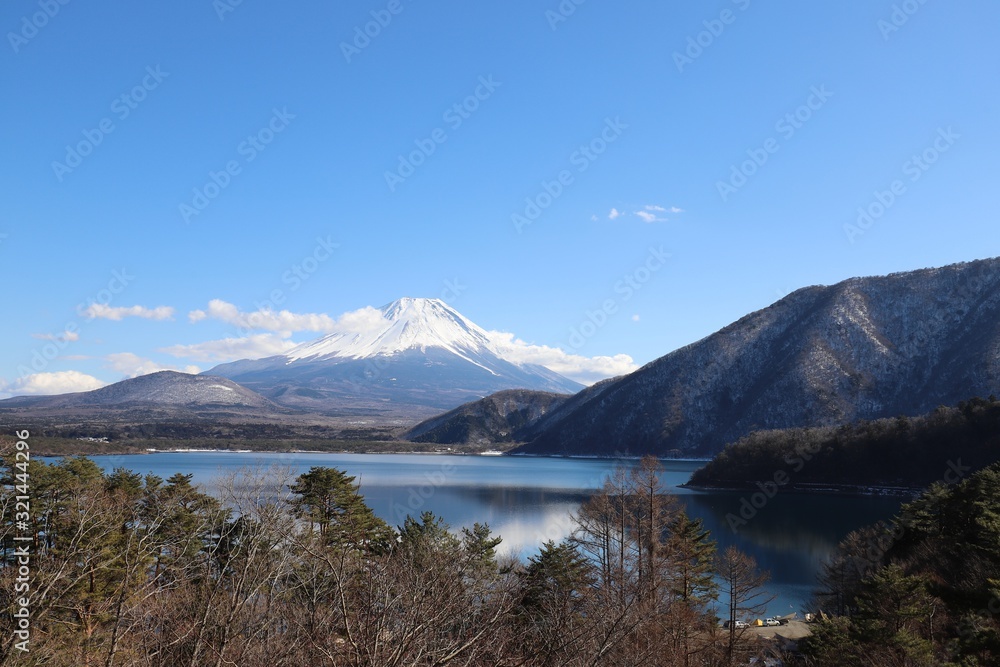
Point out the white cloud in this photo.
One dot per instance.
(650, 213)
(585, 370)
(264, 319)
(361, 320)
(286, 322)
(132, 365)
(42, 384)
(64, 337)
(105, 312)
(615, 213)
(635, 318)
(256, 346)
(674, 209)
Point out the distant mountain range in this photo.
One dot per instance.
(166, 391)
(865, 348)
(418, 357)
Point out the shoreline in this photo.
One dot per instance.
(136, 450)
(866, 490)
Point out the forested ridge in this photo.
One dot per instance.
(905, 452)
(920, 591)
(129, 570)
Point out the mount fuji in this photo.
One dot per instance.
(410, 358)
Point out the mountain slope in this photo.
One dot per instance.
(506, 416)
(165, 389)
(862, 349)
(412, 357)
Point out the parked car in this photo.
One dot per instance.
(739, 625)
(772, 622)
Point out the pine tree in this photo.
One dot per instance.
(330, 500)
(693, 555)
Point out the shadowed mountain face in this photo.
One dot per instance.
(506, 416)
(413, 357)
(862, 349)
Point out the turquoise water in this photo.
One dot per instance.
(529, 500)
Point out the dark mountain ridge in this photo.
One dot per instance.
(865, 348)
(504, 417)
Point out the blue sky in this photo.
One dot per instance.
(738, 137)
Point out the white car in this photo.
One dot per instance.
(772, 622)
(739, 625)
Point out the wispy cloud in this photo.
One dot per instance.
(264, 319)
(647, 213)
(132, 365)
(104, 312)
(43, 384)
(286, 322)
(651, 213)
(255, 346)
(585, 370)
(64, 337)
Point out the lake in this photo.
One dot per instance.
(529, 500)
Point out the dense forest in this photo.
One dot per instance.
(921, 591)
(905, 452)
(116, 569)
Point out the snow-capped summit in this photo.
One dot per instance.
(411, 357)
(404, 324)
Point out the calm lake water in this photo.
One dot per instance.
(529, 500)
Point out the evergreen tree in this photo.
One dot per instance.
(331, 501)
(693, 552)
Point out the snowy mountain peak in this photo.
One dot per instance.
(405, 324)
(409, 358)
